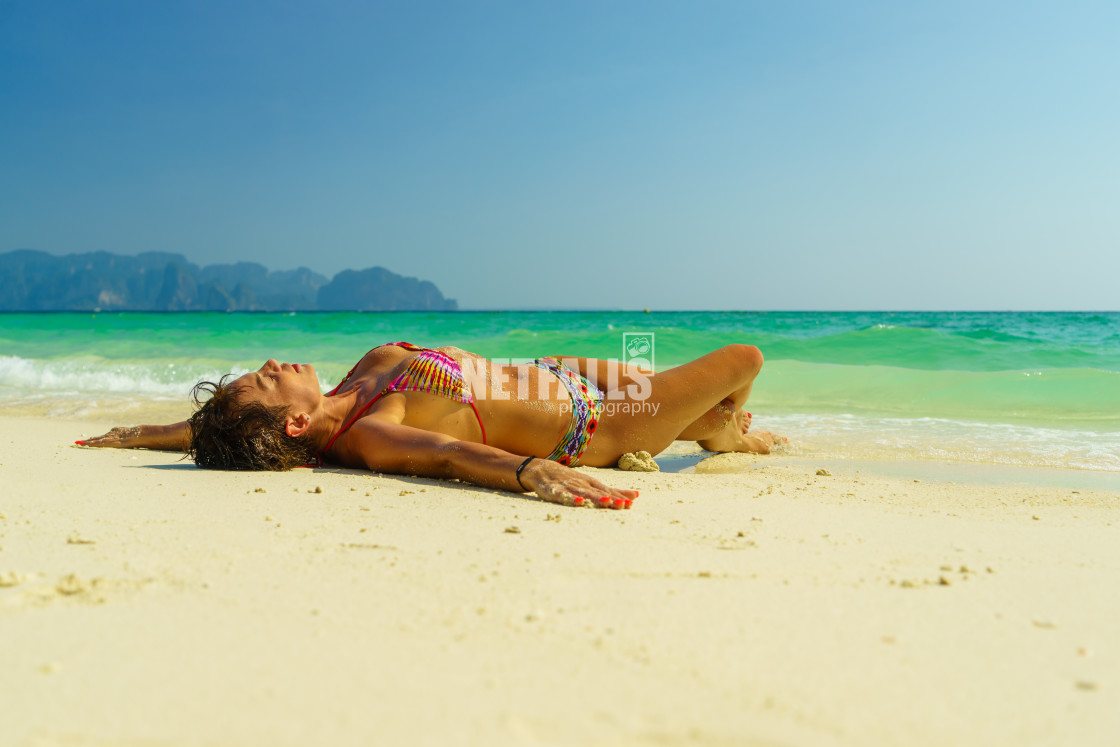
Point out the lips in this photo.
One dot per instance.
(296, 367)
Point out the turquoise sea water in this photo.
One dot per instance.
(1015, 388)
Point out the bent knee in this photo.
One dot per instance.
(747, 357)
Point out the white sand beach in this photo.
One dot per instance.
(146, 602)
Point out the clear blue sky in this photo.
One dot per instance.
(743, 155)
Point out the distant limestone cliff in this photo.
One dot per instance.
(157, 281)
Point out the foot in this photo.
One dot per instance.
(735, 437)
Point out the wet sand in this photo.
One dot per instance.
(143, 601)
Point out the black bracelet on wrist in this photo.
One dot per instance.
(518, 473)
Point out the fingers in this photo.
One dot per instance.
(599, 495)
(606, 501)
(107, 440)
(120, 437)
(104, 441)
(588, 496)
(605, 498)
(564, 498)
(570, 488)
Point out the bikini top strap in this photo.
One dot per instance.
(405, 345)
(348, 423)
(362, 411)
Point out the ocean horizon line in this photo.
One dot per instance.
(550, 310)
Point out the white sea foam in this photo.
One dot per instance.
(21, 377)
(858, 437)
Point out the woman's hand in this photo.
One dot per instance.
(559, 484)
(121, 437)
(173, 437)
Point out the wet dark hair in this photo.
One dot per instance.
(226, 434)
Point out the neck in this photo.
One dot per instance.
(333, 413)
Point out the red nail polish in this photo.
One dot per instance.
(80, 443)
(604, 500)
(629, 502)
(578, 501)
(749, 415)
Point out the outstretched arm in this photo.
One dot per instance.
(174, 437)
(391, 447)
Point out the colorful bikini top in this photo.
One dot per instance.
(431, 372)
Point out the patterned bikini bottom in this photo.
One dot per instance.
(587, 406)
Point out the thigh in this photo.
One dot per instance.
(651, 413)
(608, 375)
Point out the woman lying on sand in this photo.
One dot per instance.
(451, 414)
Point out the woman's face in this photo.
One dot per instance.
(293, 385)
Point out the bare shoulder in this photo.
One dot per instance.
(377, 362)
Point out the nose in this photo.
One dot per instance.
(270, 365)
